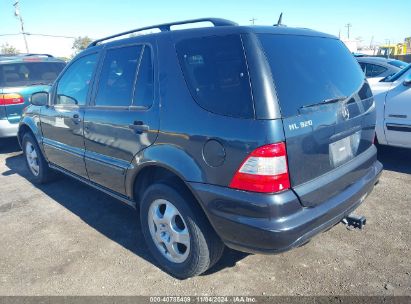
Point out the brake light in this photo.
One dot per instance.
(264, 170)
(32, 59)
(10, 99)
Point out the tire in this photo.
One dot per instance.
(37, 166)
(191, 258)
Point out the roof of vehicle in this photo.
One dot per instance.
(371, 59)
(221, 26)
(18, 58)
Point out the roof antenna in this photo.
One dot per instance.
(279, 22)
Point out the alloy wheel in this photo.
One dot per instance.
(32, 159)
(169, 231)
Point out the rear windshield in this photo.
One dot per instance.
(216, 73)
(29, 73)
(308, 70)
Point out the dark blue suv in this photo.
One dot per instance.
(254, 137)
(21, 76)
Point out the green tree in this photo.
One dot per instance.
(8, 49)
(81, 43)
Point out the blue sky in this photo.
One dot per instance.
(96, 18)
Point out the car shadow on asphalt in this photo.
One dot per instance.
(395, 159)
(115, 220)
(9, 145)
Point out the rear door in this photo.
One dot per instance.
(397, 116)
(328, 113)
(123, 117)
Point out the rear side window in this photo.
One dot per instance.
(29, 73)
(308, 70)
(373, 70)
(216, 73)
(144, 92)
(362, 65)
(117, 76)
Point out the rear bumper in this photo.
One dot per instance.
(261, 223)
(8, 129)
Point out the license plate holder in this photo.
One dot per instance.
(343, 150)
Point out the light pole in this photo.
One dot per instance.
(18, 15)
(348, 25)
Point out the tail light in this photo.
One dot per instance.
(264, 170)
(11, 99)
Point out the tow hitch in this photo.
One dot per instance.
(354, 221)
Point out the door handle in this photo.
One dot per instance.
(139, 127)
(76, 119)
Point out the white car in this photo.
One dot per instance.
(393, 101)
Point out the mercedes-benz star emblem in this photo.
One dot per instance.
(345, 112)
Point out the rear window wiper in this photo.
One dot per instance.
(325, 101)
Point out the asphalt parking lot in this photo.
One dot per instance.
(65, 238)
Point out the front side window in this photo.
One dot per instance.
(117, 76)
(216, 73)
(74, 84)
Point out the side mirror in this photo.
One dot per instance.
(407, 82)
(40, 99)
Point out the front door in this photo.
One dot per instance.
(397, 120)
(62, 120)
(123, 119)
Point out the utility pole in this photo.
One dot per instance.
(252, 20)
(388, 42)
(18, 15)
(348, 25)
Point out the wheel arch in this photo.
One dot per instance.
(159, 173)
(29, 125)
(163, 162)
(165, 159)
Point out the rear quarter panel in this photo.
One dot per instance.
(186, 129)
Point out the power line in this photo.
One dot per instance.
(45, 35)
(10, 34)
(48, 35)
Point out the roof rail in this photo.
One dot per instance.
(165, 27)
